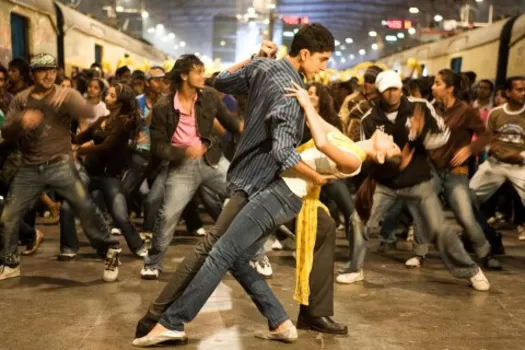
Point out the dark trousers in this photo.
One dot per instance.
(321, 277)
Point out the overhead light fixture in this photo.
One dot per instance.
(145, 14)
(352, 57)
(342, 47)
(349, 40)
(362, 52)
(288, 34)
(438, 18)
(372, 33)
(171, 35)
(401, 35)
(151, 30)
(391, 38)
(374, 46)
(119, 8)
(182, 44)
(337, 42)
(176, 47)
(338, 53)
(250, 10)
(223, 43)
(479, 0)
(343, 60)
(266, 21)
(384, 23)
(412, 31)
(413, 10)
(239, 16)
(160, 27)
(295, 30)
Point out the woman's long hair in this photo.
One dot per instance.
(326, 105)
(127, 107)
(459, 82)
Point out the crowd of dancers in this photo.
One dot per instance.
(272, 157)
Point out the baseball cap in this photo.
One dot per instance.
(388, 79)
(42, 61)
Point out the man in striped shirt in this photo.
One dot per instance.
(261, 200)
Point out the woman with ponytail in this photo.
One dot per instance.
(450, 169)
(106, 157)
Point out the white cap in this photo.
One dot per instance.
(388, 79)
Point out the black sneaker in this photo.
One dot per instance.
(385, 247)
(491, 263)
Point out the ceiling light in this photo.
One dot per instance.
(164, 38)
(295, 30)
(412, 31)
(198, 54)
(288, 34)
(384, 23)
(401, 35)
(119, 8)
(160, 27)
(145, 14)
(271, 6)
(413, 10)
(349, 40)
(239, 16)
(266, 21)
(176, 47)
(362, 52)
(343, 60)
(151, 30)
(337, 42)
(438, 18)
(479, 0)
(338, 53)
(250, 10)
(182, 44)
(352, 57)
(391, 38)
(342, 47)
(171, 35)
(372, 33)
(223, 43)
(374, 46)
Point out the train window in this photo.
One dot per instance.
(99, 52)
(19, 33)
(455, 64)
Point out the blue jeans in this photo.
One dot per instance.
(425, 208)
(134, 177)
(29, 183)
(266, 211)
(388, 229)
(460, 198)
(155, 199)
(181, 184)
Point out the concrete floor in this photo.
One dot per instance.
(66, 305)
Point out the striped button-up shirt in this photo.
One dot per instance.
(273, 125)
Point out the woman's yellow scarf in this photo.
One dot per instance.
(306, 223)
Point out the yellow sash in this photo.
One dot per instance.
(306, 223)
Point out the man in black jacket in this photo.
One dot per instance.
(414, 122)
(181, 127)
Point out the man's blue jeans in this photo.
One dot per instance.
(266, 211)
(29, 183)
(181, 184)
(460, 198)
(425, 208)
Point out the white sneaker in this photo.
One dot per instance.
(349, 278)
(521, 232)
(149, 274)
(153, 340)
(9, 272)
(116, 231)
(277, 245)
(142, 252)
(414, 263)
(263, 267)
(480, 282)
(410, 236)
(111, 264)
(201, 232)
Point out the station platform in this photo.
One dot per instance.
(66, 305)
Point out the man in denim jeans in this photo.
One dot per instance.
(411, 122)
(261, 199)
(39, 119)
